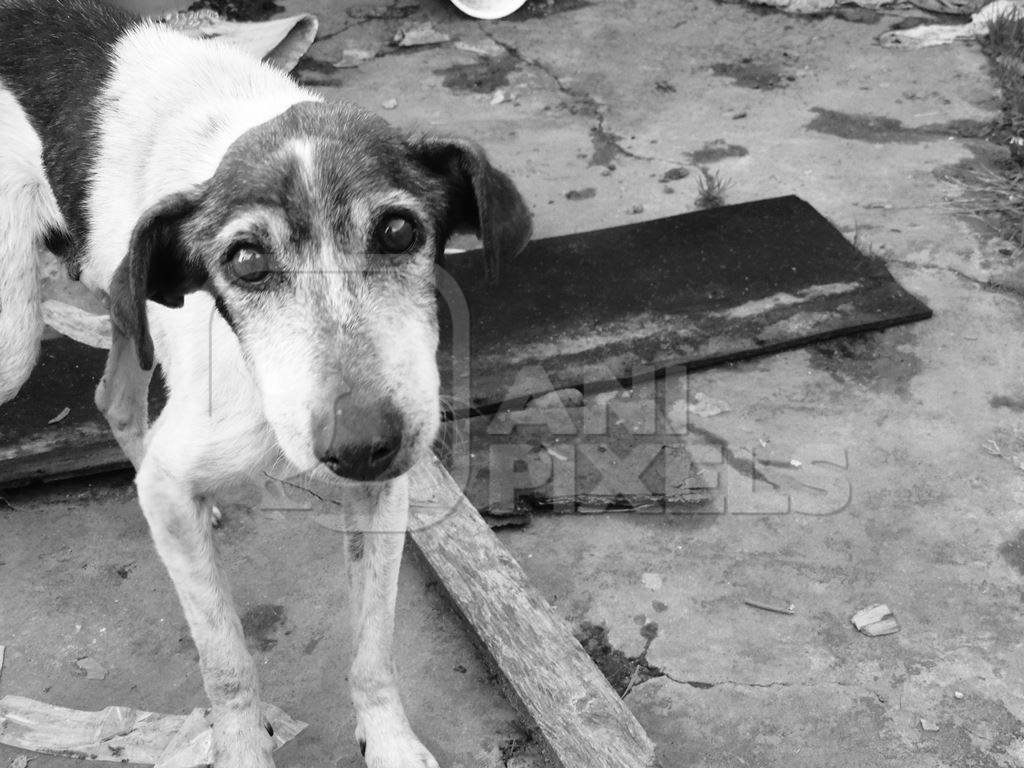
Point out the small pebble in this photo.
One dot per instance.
(389, 104)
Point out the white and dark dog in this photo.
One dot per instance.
(275, 254)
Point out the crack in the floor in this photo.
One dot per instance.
(607, 145)
(709, 684)
(985, 285)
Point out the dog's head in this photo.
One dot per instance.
(317, 238)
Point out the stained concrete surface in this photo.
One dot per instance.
(916, 507)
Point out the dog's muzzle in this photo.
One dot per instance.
(363, 439)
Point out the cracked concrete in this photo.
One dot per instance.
(906, 505)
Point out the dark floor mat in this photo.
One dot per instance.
(693, 290)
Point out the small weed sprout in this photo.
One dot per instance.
(711, 189)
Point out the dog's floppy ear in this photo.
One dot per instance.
(157, 267)
(481, 198)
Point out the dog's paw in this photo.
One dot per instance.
(395, 747)
(242, 740)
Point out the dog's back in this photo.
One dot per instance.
(69, 44)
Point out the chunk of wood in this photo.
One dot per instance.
(582, 721)
(121, 734)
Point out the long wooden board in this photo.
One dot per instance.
(582, 721)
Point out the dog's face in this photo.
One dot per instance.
(317, 237)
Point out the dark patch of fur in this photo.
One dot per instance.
(61, 244)
(158, 267)
(56, 59)
(223, 311)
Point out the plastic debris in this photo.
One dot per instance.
(928, 35)
(281, 42)
(420, 34)
(789, 609)
(121, 734)
(875, 620)
(60, 416)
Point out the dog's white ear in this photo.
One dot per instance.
(481, 198)
(157, 267)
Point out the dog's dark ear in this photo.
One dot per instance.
(157, 267)
(481, 198)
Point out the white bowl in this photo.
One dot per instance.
(488, 9)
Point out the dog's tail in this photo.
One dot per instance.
(29, 220)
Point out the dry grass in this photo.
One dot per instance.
(994, 196)
(994, 193)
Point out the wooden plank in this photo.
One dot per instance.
(86, 449)
(581, 719)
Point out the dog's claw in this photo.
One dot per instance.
(269, 727)
(362, 747)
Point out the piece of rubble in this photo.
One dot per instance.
(481, 48)
(121, 734)
(653, 581)
(389, 103)
(353, 57)
(875, 620)
(92, 668)
(420, 34)
(928, 725)
(706, 407)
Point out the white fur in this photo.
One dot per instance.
(157, 104)
(27, 209)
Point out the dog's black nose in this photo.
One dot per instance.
(365, 440)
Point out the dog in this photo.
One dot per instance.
(275, 254)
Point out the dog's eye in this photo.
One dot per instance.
(250, 266)
(396, 234)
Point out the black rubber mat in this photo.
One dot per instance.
(693, 290)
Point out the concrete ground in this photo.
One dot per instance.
(922, 426)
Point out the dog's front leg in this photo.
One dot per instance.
(377, 519)
(180, 525)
